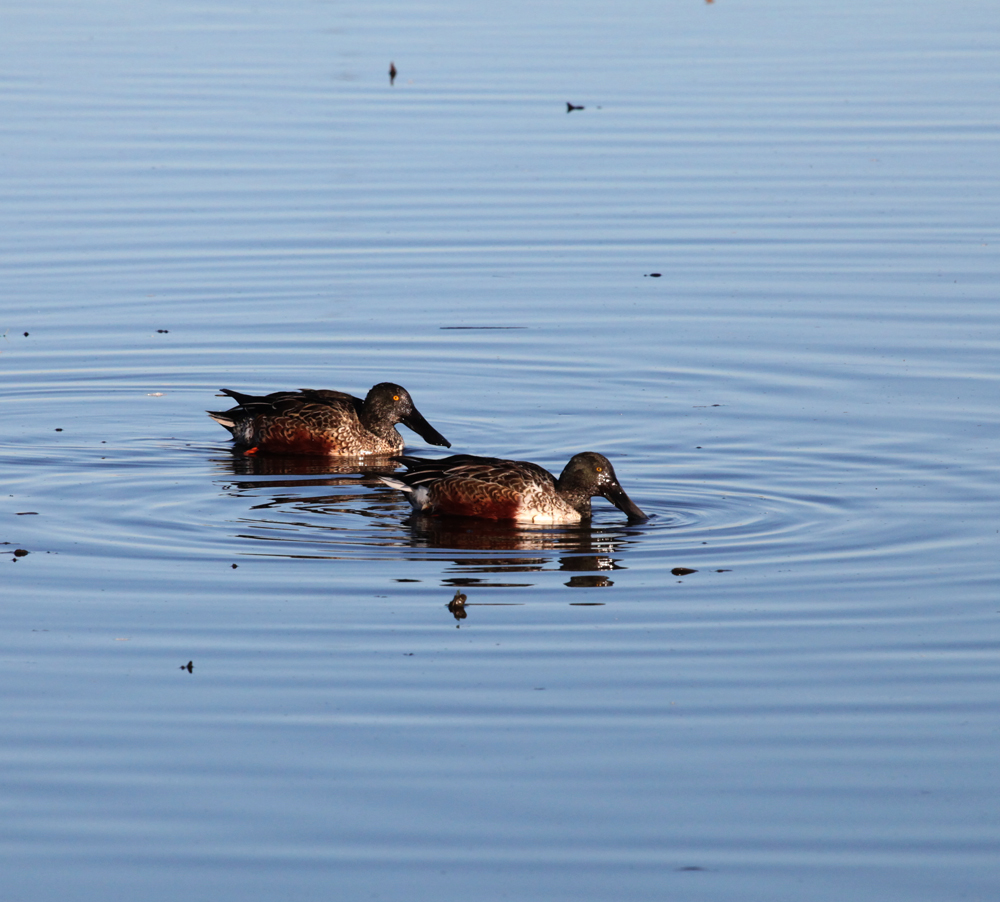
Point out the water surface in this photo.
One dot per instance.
(758, 270)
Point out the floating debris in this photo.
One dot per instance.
(682, 571)
(457, 606)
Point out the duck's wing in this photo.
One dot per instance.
(282, 403)
(247, 406)
(493, 470)
(329, 396)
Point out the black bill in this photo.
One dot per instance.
(425, 430)
(616, 495)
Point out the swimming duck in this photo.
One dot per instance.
(320, 421)
(498, 489)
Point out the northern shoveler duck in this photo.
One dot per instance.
(319, 421)
(498, 489)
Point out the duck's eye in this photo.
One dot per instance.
(395, 397)
(599, 470)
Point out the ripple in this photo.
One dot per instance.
(166, 498)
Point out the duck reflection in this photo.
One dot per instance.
(285, 493)
(589, 582)
(307, 465)
(496, 535)
(577, 549)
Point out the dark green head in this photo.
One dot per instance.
(589, 474)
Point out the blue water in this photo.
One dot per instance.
(197, 196)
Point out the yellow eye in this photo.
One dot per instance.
(395, 397)
(599, 470)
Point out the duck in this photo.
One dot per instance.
(323, 421)
(496, 489)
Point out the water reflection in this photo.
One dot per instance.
(352, 472)
(579, 549)
(589, 582)
(495, 535)
(304, 465)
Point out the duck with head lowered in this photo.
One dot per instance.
(497, 489)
